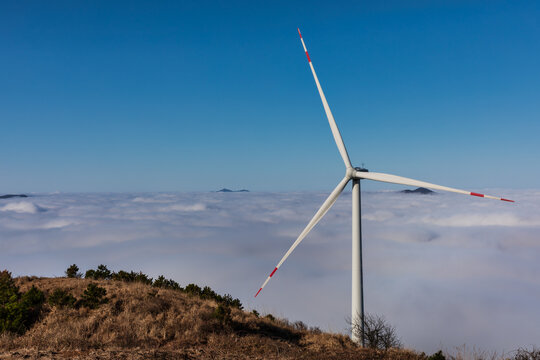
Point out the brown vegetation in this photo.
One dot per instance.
(140, 322)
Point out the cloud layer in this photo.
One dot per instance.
(444, 269)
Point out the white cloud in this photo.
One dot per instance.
(184, 207)
(444, 269)
(21, 207)
(380, 215)
(57, 224)
(478, 219)
(160, 199)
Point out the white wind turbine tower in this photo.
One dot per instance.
(354, 174)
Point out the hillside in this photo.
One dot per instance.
(144, 322)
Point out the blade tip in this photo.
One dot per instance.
(508, 200)
(258, 292)
(299, 33)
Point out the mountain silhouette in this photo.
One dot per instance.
(9, 196)
(419, 190)
(225, 190)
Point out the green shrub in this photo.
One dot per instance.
(90, 274)
(193, 289)
(229, 301)
(222, 313)
(73, 272)
(8, 290)
(143, 278)
(123, 276)
(93, 297)
(61, 298)
(162, 282)
(32, 302)
(18, 311)
(256, 313)
(131, 277)
(209, 294)
(102, 273)
(437, 356)
(270, 317)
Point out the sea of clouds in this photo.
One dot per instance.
(444, 269)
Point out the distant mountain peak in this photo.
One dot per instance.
(419, 190)
(225, 190)
(9, 196)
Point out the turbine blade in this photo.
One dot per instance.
(316, 218)
(394, 179)
(331, 121)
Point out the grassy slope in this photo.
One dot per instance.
(142, 322)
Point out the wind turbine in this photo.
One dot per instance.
(354, 174)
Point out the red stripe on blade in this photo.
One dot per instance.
(308, 59)
(258, 292)
(477, 194)
(273, 272)
(508, 200)
(299, 33)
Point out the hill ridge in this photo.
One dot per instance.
(141, 321)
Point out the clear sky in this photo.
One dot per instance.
(185, 96)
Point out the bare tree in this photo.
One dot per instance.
(524, 354)
(376, 332)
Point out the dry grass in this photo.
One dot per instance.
(141, 322)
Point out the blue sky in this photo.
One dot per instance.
(183, 96)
